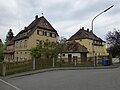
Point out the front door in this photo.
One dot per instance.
(69, 58)
(83, 57)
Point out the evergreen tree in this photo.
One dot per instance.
(9, 36)
(1, 43)
(2, 47)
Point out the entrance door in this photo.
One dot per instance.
(75, 58)
(69, 58)
(83, 57)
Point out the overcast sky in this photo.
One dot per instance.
(66, 16)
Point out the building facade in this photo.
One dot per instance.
(95, 45)
(39, 30)
(74, 52)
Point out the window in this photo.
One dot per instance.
(94, 41)
(25, 44)
(63, 54)
(20, 44)
(40, 33)
(45, 33)
(50, 34)
(55, 35)
(16, 44)
(37, 42)
(21, 55)
(37, 32)
(45, 24)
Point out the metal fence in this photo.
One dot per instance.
(7, 68)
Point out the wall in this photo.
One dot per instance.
(65, 56)
(35, 36)
(22, 47)
(100, 50)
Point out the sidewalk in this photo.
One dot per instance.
(62, 68)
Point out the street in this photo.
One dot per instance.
(93, 79)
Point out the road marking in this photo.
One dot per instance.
(10, 85)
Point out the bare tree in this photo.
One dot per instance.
(113, 40)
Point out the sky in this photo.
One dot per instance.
(66, 16)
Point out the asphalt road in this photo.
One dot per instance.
(94, 79)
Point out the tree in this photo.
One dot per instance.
(63, 39)
(9, 36)
(37, 51)
(113, 40)
(1, 43)
(36, 54)
(47, 49)
(2, 47)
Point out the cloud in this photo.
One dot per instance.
(67, 16)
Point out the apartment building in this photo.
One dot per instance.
(19, 47)
(95, 45)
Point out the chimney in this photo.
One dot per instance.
(36, 17)
(25, 27)
(91, 31)
(82, 28)
(87, 29)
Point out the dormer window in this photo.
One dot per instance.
(45, 24)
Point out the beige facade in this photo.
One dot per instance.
(98, 47)
(9, 53)
(39, 30)
(95, 46)
(22, 47)
(73, 52)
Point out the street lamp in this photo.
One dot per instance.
(92, 29)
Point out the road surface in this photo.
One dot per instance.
(94, 79)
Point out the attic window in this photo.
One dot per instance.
(45, 24)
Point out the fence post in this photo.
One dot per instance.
(53, 62)
(3, 68)
(33, 63)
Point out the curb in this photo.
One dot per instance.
(58, 69)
